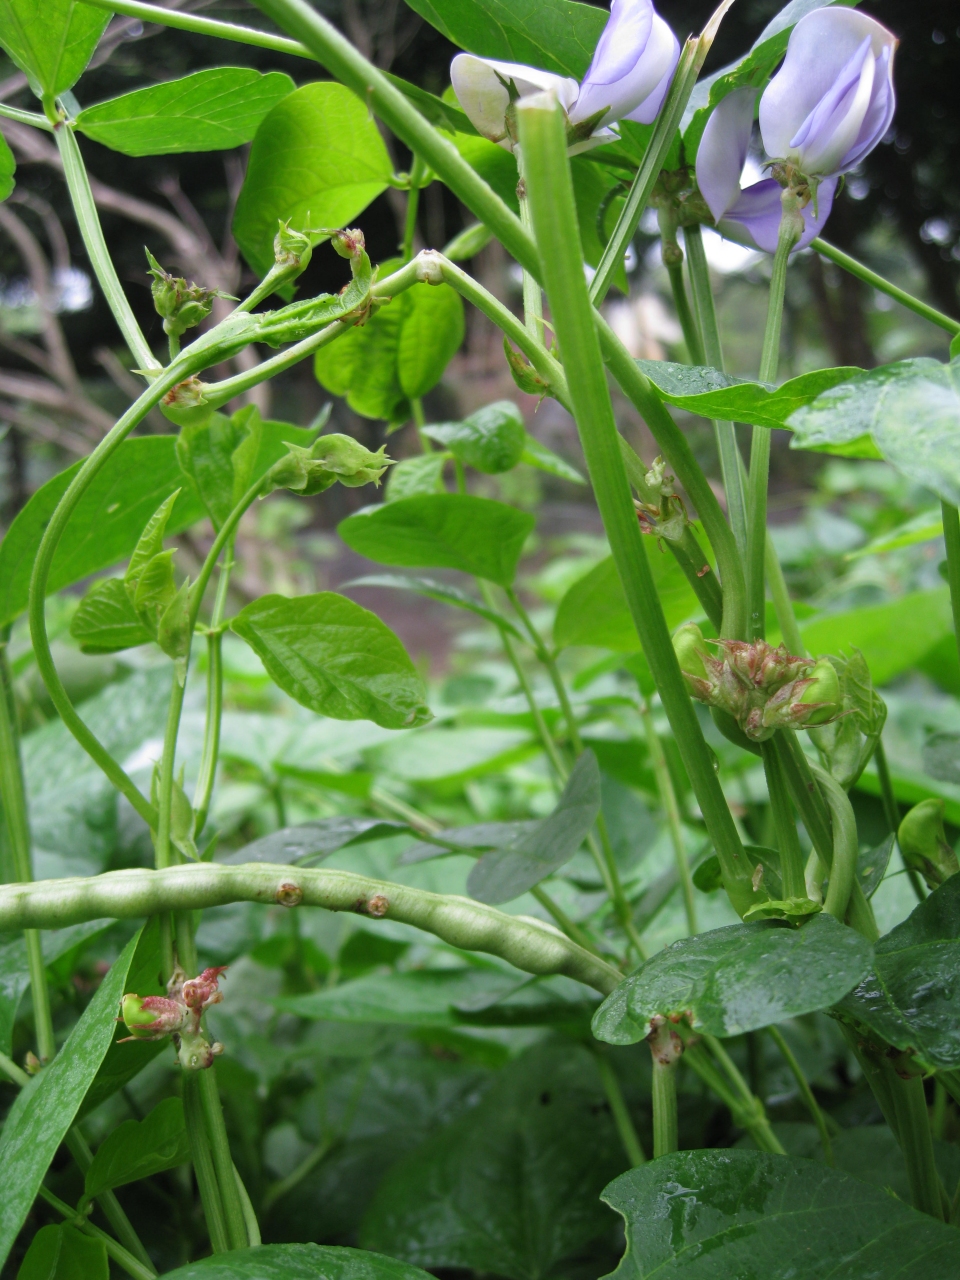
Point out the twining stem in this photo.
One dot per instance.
(668, 798)
(13, 800)
(863, 273)
(665, 1049)
(791, 228)
(843, 867)
(731, 466)
(88, 222)
(816, 1112)
(121, 1256)
(891, 812)
(417, 173)
(672, 257)
(620, 1111)
(951, 538)
(788, 840)
(554, 217)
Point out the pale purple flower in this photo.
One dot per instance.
(826, 108)
(627, 79)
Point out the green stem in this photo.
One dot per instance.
(472, 926)
(296, 1176)
(731, 463)
(843, 866)
(747, 1109)
(891, 812)
(88, 222)
(214, 710)
(163, 850)
(665, 1054)
(916, 1143)
(121, 1256)
(420, 421)
(249, 1214)
(417, 173)
(668, 798)
(863, 273)
(202, 1158)
(620, 1112)
(32, 118)
(688, 326)
(951, 538)
(13, 800)
(816, 1112)
(79, 1148)
(760, 442)
(938, 1120)
(532, 294)
(554, 217)
(786, 618)
(788, 840)
(697, 570)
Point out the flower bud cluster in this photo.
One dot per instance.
(177, 1014)
(329, 459)
(762, 687)
(924, 845)
(182, 305)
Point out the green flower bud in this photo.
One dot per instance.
(329, 459)
(824, 688)
(195, 1051)
(349, 242)
(923, 843)
(292, 248)
(150, 1017)
(689, 646)
(182, 305)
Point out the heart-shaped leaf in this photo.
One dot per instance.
(139, 1149)
(491, 440)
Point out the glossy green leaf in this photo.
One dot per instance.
(595, 611)
(511, 1188)
(872, 866)
(506, 873)
(445, 531)
(420, 474)
(210, 110)
(45, 1110)
(556, 35)
(139, 1149)
(106, 621)
(8, 167)
(336, 658)
(716, 1215)
(430, 336)
(538, 455)
(737, 979)
(717, 395)
(911, 997)
(907, 413)
(436, 591)
(491, 440)
(311, 842)
(52, 42)
(297, 1262)
(15, 976)
(64, 1253)
(892, 636)
(317, 160)
(106, 523)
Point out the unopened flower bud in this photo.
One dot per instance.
(691, 649)
(348, 242)
(821, 693)
(151, 1017)
(292, 248)
(195, 1051)
(182, 305)
(329, 459)
(201, 992)
(923, 843)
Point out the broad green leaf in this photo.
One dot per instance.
(892, 636)
(907, 413)
(924, 527)
(442, 531)
(538, 455)
(504, 874)
(8, 167)
(872, 865)
(64, 1253)
(453, 753)
(15, 976)
(430, 336)
(910, 997)
(106, 524)
(52, 42)
(317, 160)
(106, 621)
(42, 1113)
(713, 394)
(436, 591)
(311, 842)
(595, 611)
(491, 440)
(737, 979)
(555, 35)
(336, 658)
(211, 110)
(413, 476)
(297, 1262)
(139, 1149)
(511, 1188)
(716, 1215)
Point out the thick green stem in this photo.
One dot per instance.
(88, 222)
(916, 1143)
(554, 217)
(731, 463)
(13, 800)
(697, 570)
(816, 1112)
(783, 606)
(202, 1159)
(620, 1112)
(124, 895)
(532, 294)
(791, 227)
(668, 798)
(863, 273)
(788, 840)
(665, 1049)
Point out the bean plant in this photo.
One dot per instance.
(489, 1013)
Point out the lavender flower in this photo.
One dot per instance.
(826, 108)
(627, 79)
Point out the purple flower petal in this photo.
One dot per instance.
(723, 150)
(636, 55)
(755, 217)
